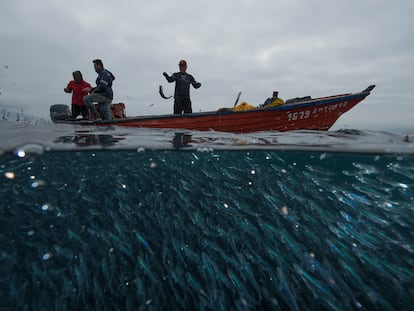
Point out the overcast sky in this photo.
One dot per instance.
(297, 47)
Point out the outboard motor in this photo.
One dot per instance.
(60, 112)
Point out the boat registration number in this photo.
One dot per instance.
(306, 114)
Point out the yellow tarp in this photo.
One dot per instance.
(244, 106)
(276, 102)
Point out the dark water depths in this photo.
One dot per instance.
(205, 229)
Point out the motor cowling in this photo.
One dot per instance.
(60, 112)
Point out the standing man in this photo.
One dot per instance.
(102, 93)
(182, 79)
(76, 87)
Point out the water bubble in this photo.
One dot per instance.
(46, 256)
(205, 149)
(38, 183)
(46, 207)
(9, 175)
(404, 186)
(22, 151)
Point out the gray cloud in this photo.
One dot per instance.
(297, 47)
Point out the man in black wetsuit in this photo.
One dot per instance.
(182, 79)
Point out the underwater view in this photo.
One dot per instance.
(158, 220)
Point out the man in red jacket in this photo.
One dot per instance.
(76, 87)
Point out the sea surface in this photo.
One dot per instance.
(136, 219)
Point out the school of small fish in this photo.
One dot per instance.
(188, 230)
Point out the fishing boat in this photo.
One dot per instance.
(304, 113)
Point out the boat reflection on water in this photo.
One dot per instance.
(182, 140)
(179, 140)
(85, 140)
(172, 139)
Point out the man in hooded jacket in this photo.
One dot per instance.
(102, 93)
